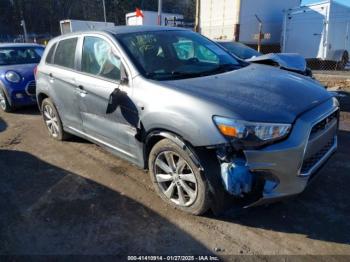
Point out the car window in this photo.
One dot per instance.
(39, 51)
(187, 49)
(50, 54)
(172, 54)
(98, 58)
(65, 52)
(20, 55)
(184, 49)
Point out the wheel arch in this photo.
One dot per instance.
(40, 98)
(209, 169)
(154, 136)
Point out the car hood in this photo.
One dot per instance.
(256, 93)
(287, 61)
(25, 70)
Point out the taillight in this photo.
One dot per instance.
(35, 70)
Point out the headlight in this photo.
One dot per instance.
(13, 77)
(251, 134)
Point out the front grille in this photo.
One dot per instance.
(311, 161)
(318, 135)
(31, 88)
(324, 123)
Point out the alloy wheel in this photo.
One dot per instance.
(51, 120)
(2, 101)
(175, 178)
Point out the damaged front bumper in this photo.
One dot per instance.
(285, 168)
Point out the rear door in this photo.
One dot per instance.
(100, 76)
(62, 75)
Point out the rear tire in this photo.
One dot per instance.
(4, 103)
(53, 121)
(177, 179)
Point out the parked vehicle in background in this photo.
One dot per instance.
(17, 83)
(319, 31)
(208, 126)
(291, 62)
(69, 26)
(240, 50)
(150, 18)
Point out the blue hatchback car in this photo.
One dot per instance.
(17, 82)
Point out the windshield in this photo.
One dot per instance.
(165, 55)
(240, 50)
(20, 55)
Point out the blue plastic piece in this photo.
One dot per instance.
(269, 186)
(236, 177)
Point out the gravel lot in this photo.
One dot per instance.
(75, 198)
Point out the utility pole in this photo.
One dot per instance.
(23, 24)
(104, 11)
(159, 12)
(260, 36)
(237, 25)
(196, 24)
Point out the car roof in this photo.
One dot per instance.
(116, 30)
(20, 45)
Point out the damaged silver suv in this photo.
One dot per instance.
(212, 129)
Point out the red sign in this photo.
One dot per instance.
(139, 13)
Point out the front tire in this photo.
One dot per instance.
(52, 120)
(177, 179)
(4, 103)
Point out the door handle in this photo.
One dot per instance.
(51, 78)
(81, 89)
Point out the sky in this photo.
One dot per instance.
(344, 2)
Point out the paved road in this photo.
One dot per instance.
(75, 198)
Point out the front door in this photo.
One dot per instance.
(112, 123)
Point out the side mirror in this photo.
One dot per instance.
(124, 79)
(115, 99)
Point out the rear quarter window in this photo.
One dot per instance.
(65, 53)
(49, 57)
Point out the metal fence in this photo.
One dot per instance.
(315, 64)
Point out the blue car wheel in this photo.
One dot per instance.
(4, 103)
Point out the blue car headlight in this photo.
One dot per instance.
(251, 134)
(13, 77)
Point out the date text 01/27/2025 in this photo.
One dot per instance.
(174, 258)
